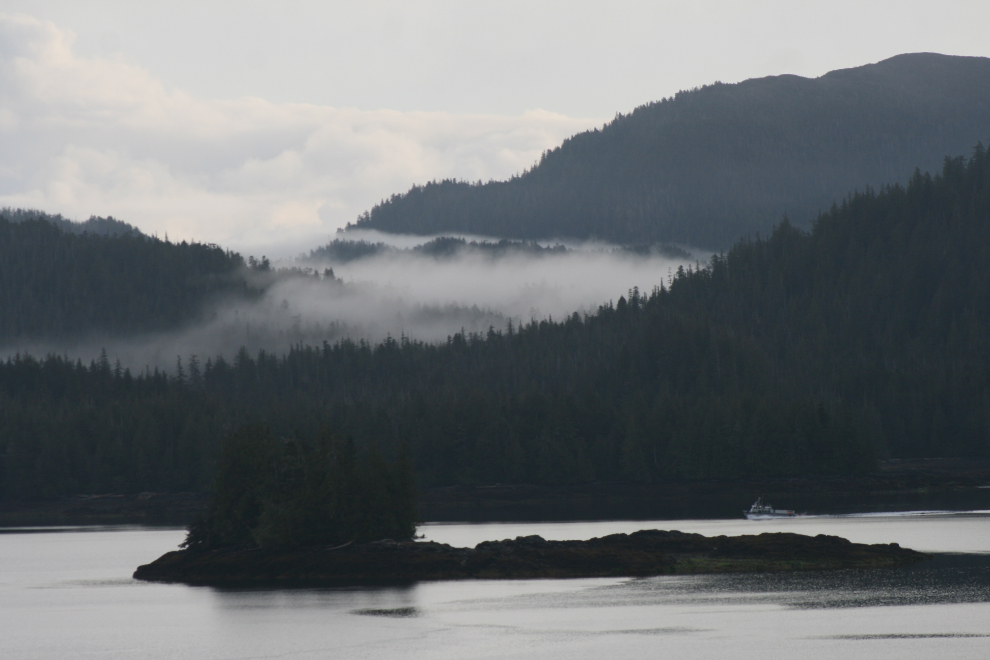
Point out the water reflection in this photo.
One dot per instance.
(946, 579)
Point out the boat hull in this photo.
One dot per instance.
(763, 511)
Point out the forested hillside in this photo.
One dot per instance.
(57, 284)
(802, 353)
(715, 164)
(108, 226)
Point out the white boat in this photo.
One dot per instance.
(761, 511)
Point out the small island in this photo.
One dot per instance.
(294, 512)
(643, 553)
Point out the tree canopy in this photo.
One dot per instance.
(805, 352)
(288, 492)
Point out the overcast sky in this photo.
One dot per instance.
(264, 126)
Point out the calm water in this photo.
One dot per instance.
(68, 594)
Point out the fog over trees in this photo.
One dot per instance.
(60, 279)
(805, 352)
(146, 299)
(851, 329)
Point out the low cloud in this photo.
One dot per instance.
(399, 294)
(85, 136)
(517, 284)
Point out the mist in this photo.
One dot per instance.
(400, 293)
(515, 284)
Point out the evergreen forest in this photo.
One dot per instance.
(277, 493)
(715, 163)
(342, 250)
(803, 352)
(60, 279)
(108, 226)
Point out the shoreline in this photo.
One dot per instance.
(641, 554)
(899, 485)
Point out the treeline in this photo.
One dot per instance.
(69, 284)
(342, 251)
(108, 226)
(714, 164)
(802, 353)
(633, 392)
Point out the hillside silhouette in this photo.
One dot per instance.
(711, 165)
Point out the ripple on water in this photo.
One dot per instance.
(395, 612)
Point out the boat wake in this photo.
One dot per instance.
(901, 514)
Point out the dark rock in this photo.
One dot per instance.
(648, 552)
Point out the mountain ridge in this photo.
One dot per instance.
(719, 162)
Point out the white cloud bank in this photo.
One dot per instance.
(94, 136)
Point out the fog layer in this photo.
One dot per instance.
(515, 284)
(398, 293)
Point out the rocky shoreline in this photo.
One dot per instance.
(643, 553)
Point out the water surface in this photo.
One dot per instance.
(68, 594)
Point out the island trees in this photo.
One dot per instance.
(271, 491)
